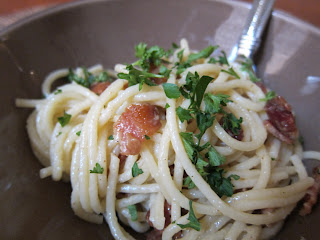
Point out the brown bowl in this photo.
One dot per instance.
(89, 32)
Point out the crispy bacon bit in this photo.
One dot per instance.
(156, 234)
(134, 124)
(311, 196)
(99, 87)
(281, 122)
(263, 88)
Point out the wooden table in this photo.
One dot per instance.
(308, 10)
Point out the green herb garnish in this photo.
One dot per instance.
(136, 170)
(78, 133)
(246, 66)
(231, 72)
(133, 212)
(270, 95)
(97, 169)
(65, 119)
(57, 91)
(88, 78)
(193, 221)
(171, 90)
(110, 137)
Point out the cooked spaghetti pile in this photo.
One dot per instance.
(179, 141)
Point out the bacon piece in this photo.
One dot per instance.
(134, 124)
(281, 122)
(156, 234)
(311, 196)
(263, 88)
(99, 87)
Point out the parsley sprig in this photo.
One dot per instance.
(270, 95)
(88, 78)
(204, 53)
(205, 157)
(247, 66)
(193, 221)
(97, 169)
(136, 170)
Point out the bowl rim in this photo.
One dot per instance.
(69, 5)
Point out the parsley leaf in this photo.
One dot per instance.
(183, 114)
(180, 55)
(182, 66)
(148, 56)
(269, 96)
(65, 119)
(167, 105)
(136, 170)
(215, 159)
(78, 133)
(214, 103)
(221, 59)
(204, 53)
(188, 182)
(97, 169)
(88, 78)
(231, 72)
(246, 66)
(57, 91)
(133, 212)
(147, 137)
(193, 221)
(230, 122)
(110, 137)
(222, 186)
(171, 90)
(136, 76)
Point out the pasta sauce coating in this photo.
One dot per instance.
(137, 122)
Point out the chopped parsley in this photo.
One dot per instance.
(171, 90)
(97, 169)
(136, 76)
(136, 170)
(221, 59)
(167, 105)
(204, 53)
(59, 134)
(193, 221)
(88, 78)
(147, 137)
(57, 91)
(207, 162)
(247, 66)
(110, 137)
(270, 95)
(133, 212)
(65, 119)
(231, 72)
(78, 133)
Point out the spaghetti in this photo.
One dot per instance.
(162, 185)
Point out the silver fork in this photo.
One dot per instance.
(250, 39)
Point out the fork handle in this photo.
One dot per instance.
(250, 38)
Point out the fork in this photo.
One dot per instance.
(250, 39)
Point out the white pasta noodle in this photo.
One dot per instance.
(272, 177)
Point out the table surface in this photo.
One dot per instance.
(307, 10)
